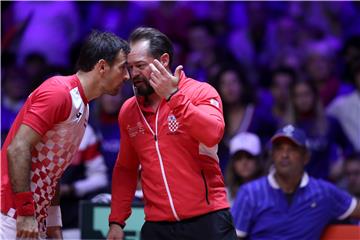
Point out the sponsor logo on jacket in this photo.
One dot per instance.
(134, 131)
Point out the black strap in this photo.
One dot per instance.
(116, 223)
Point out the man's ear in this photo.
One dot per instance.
(165, 60)
(101, 66)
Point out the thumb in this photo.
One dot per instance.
(178, 71)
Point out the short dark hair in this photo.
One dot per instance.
(159, 42)
(100, 45)
(284, 70)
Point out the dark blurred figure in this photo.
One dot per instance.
(162, 17)
(352, 174)
(351, 54)
(321, 70)
(352, 178)
(281, 80)
(346, 108)
(51, 30)
(205, 56)
(324, 133)
(106, 124)
(241, 112)
(245, 164)
(82, 180)
(15, 89)
(37, 69)
(249, 41)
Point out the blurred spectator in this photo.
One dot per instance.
(248, 41)
(162, 17)
(352, 174)
(288, 203)
(53, 27)
(241, 114)
(245, 164)
(281, 80)
(282, 44)
(324, 132)
(346, 109)
(15, 89)
(37, 69)
(205, 56)
(83, 179)
(116, 16)
(320, 68)
(351, 53)
(106, 124)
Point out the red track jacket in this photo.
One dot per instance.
(176, 147)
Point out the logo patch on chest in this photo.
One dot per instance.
(138, 128)
(173, 124)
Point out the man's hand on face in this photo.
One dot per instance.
(163, 82)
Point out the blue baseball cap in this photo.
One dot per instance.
(292, 133)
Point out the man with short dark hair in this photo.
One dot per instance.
(46, 134)
(288, 203)
(171, 128)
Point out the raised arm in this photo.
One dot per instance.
(202, 116)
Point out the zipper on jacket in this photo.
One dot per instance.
(155, 134)
(206, 187)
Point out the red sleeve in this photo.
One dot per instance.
(47, 108)
(202, 112)
(90, 152)
(125, 175)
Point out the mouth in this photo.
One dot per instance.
(138, 82)
(284, 163)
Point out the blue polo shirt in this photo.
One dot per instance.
(261, 209)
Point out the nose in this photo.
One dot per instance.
(134, 72)
(285, 153)
(127, 76)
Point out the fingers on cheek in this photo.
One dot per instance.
(152, 83)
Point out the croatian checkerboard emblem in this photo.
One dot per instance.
(173, 123)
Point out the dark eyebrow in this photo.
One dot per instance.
(141, 62)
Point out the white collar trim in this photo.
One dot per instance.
(275, 185)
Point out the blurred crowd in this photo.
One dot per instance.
(273, 63)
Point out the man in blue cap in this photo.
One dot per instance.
(288, 203)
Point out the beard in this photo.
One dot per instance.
(144, 89)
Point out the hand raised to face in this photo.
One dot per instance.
(163, 82)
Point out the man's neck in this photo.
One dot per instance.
(89, 85)
(288, 184)
(153, 101)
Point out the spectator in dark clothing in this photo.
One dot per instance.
(324, 133)
(241, 113)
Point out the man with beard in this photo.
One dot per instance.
(46, 135)
(288, 203)
(171, 127)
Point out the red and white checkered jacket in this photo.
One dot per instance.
(58, 111)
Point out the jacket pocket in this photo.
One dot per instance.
(206, 187)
